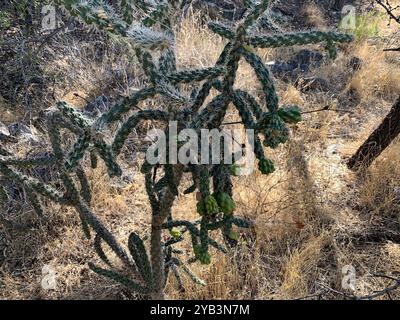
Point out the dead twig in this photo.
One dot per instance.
(389, 10)
(386, 291)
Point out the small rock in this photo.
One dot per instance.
(281, 69)
(301, 64)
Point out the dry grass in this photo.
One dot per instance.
(314, 16)
(302, 212)
(379, 192)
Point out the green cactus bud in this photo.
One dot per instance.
(266, 166)
(233, 235)
(226, 203)
(175, 233)
(274, 130)
(235, 170)
(208, 206)
(290, 114)
(211, 205)
(202, 255)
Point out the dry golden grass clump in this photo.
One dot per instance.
(310, 216)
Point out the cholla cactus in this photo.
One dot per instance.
(146, 272)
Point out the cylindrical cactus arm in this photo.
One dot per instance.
(210, 113)
(97, 244)
(208, 85)
(252, 103)
(151, 193)
(300, 38)
(202, 95)
(232, 64)
(265, 78)
(33, 184)
(143, 5)
(89, 12)
(34, 200)
(128, 9)
(283, 39)
(132, 123)
(244, 111)
(139, 254)
(221, 30)
(195, 75)
(195, 233)
(167, 90)
(183, 223)
(77, 152)
(76, 117)
(257, 11)
(85, 191)
(55, 138)
(158, 15)
(28, 162)
(189, 272)
(104, 17)
(242, 223)
(167, 62)
(133, 285)
(222, 181)
(123, 106)
(265, 165)
(204, 181)
(149, 67)
(105, 152)
(90, 218)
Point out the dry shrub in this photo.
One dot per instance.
(314, 16)
(380, 192)
(378, 77)
(300, 270)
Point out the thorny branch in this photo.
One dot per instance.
(389, 10)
